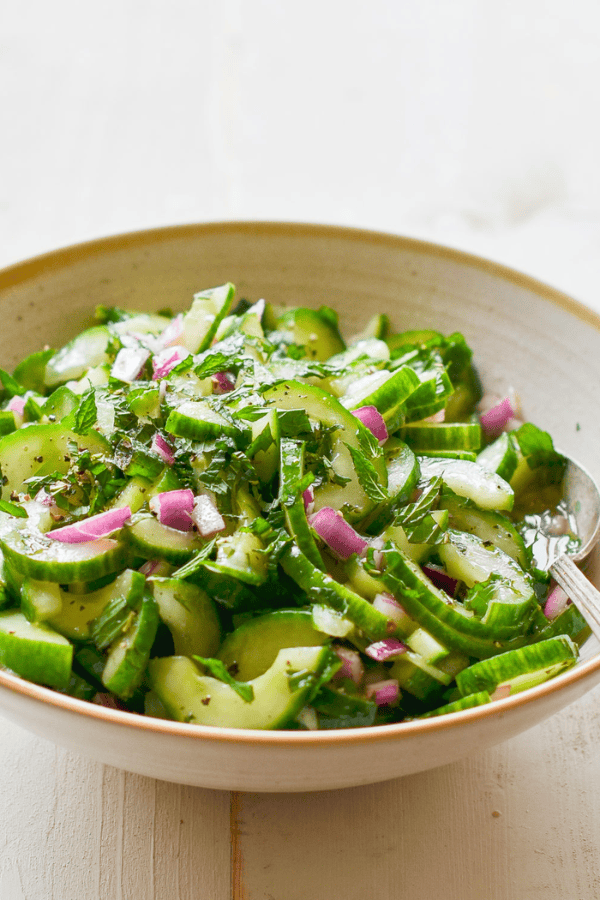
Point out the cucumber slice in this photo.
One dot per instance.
(40, 600)
(324, 408)
(489, 525)
(467, 479)
(292, 470)
(129, 655)
(468, 702)
(191, 697)
(264, 449)
(387, 391)
(60, 403)
(34, 554)
(34, 650)
(500, 457)
(152, 540)
(315, 330)
(190, 615)
(118, 601)
(40, 450)
(253, 647)
(442, 435)
(520, 669)
(240, 556)
(30, 372)
(85, 351)
(201, 321)
(377, 327)
(197, 420)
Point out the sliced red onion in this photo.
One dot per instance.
(384, 692)
(166, 360)
(388, 648)
(174, 508)
(207, 517)
(16, 405)
(162, 449)
(150, 567)
(351, 667)
(373, 420)
(441, 579)
(501, 692)
(497, 417)
(557, 601)
(391, 609)
(331, 526)
(223, 382)
(129, 363)
(172, 333)
(92, 529)
(309, 499)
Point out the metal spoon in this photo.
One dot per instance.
(582, 497)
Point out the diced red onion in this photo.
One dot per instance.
(166, 360)
(390, 608)
(172, 333)
(497, 417)
(129, 363)
(388, 648)
(92, 529)
(44, 498)
(162, 449)
(383, 692)
(441, 579)
(309, 499)
(223, 382)
(501, 692)
(557, 601)
(351, 667)
(109, 702)
(16, 405)
(337, 533)
(207, 517)
(174, 508)
(150, 566)
(373, 420)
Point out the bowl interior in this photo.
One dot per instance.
(524, 335)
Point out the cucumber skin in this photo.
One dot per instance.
(135, 646)
(63, 571)
(42, 665)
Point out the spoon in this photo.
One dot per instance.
(582, 497)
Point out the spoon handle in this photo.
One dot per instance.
(581, 591)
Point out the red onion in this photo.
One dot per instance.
(91, 529)
(351, 667)
(172, 333)
(174, 508)
(331, 526)
(309, 499)
(207, 517)
(391, 609)
(129, 363)
(150, 566)
(501, 692)
(557, 601)
(495, 419)
(166, 360)
(162, 449)
(44, 498)
(109, 702)
(16, 405)
(388, 648)
(384, 692)
(223, 382)
(441, 579)
(373, 420)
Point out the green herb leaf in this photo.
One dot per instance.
(11, 385)
(196, 563)
(13, 510)
(367, 476)
(86, 414)
(218, 670)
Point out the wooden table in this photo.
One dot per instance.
(143, 114)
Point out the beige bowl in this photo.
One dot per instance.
(524, 334)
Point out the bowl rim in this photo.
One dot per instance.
(20, 272)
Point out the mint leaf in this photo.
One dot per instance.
(367, 476)
(11, 385)
(86, 414)
(218, 670)
(12, 509)
(196, 563)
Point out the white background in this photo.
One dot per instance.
(472, 123)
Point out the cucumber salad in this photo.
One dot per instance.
(233, 517)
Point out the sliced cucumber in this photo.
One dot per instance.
(467, 479)
(197, 420)
(442, 435)
(152, 540)
(387, 391)
(468, 702)
(202, 700)
(190, 615)
(129, 655)
(253, 647)
(240, 556)
(500, 457)
(85, 351)
(520, 669)
(201, 321)
(40, 600)
(36, 555)
(34, 651)
(264, 449)
(291, 472)
(489, 525)
(315, 330)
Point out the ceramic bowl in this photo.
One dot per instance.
(524, 334)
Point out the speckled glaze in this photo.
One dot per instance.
(524, 335)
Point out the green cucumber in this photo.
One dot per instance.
(468, 702)
(442, 435)
(190, 615)
(118, 602)
(253, 647)
(202, 320)
(500, 457)
(197, 420)
(150, 539)
(387, 391)
(520, 669)
(200, 699)
(315, 330)
(467, 479)
(44, 559)
(40, 600)
(292, 501)
(129, 654)
(264, 449)
(240, 556)
(34, 651)
(487, 524)
(87, 350)
(377, 327)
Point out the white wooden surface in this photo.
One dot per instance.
(468, 123)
